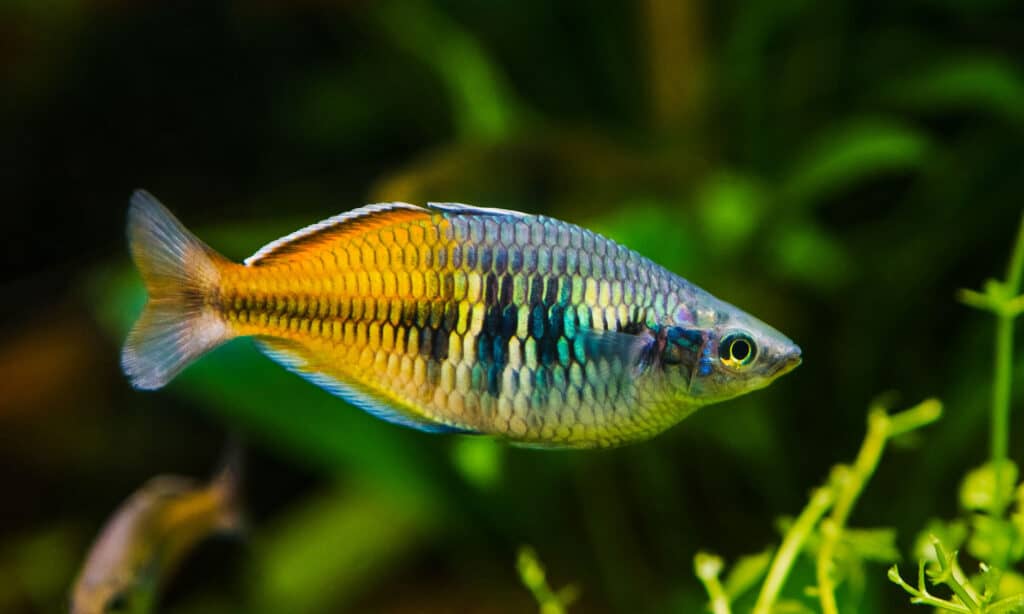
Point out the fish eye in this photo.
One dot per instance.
(737, 350)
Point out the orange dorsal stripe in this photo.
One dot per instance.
(332, 231)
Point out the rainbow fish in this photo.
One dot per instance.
(150, 533)
(454, 318)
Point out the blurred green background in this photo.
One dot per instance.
(837, 168)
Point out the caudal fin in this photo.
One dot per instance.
(227, 483)
(176, 327)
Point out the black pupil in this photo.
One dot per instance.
(740, 349)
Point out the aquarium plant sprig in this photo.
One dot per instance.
(849, 482)
(708, 567)
(838, 495)
(946, 570)
(1002, 298)
(532, 574)
(820, 502)
(986, 492)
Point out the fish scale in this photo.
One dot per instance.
(465, 286)
(455, 318)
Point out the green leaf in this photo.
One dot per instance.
(877, 545)
(852, 153)
(989, 85)
(1017, 517)
(952, 533)
(805, 253)
(1011, 582)
(478, 459)
(729, 210)
(353, 534)
(746, 572)
(483, 105)
(978, 489)
(791, 606)
(993, 539)
(1012, 605)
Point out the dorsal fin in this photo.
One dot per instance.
(334, 228)
(462, 209)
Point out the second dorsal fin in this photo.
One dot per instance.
(463, 209)
(334, 228)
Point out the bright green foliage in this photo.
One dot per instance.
(989, 534)
(839, 552)
(851, 153)
(478, 459)
(708, 567)
(992, 536)
(533, 576)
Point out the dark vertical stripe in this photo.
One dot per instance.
(490, 290)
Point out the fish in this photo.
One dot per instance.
(149, 535)
(455, 318)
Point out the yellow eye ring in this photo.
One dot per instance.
(737, 350)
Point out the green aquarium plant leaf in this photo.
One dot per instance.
(994, 538)
(849, 482)
(746, 572)
(483, 105)
(978, 489)
(953, 533)
(479, 460)
(729, 209)
(328, 549)
(876, 545)
(534, 578)
(991, 85)
(806, 253)
(834, 544)
(851, 153)
(945, 570)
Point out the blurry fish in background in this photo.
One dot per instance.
(454, 318)
(148, 536)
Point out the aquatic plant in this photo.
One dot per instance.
(820, 527)
(533, 576)
(992, 534)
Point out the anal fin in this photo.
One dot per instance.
(296, 358)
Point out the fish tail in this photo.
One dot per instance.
(177, 326)
(227, 482)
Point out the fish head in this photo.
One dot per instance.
(724, 353)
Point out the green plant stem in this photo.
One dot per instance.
(707, 568)
(531, 572)
(953, 577)
(851, 482)
(921, 596)
(850, 486)
(1002, 380)
(821, 500)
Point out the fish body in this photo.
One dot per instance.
(457, 318)
(147, 537)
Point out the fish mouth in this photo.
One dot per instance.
(792, 361)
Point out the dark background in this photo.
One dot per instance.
(838, 169)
